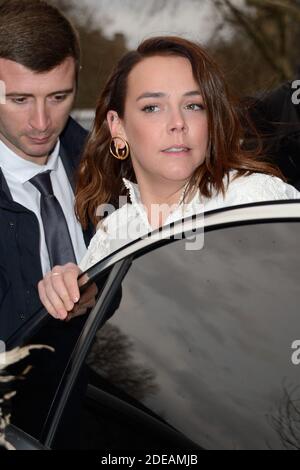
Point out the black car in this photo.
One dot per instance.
(194, 343)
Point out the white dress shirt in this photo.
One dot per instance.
(131, 221)
(18, 171)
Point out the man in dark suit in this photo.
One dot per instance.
(39, 67)
(40, 150)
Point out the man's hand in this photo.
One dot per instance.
(59, 292)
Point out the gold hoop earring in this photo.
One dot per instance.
(118, 152)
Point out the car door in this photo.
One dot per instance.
(202, 350)
(207, 339)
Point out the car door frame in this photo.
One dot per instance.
(119, 263)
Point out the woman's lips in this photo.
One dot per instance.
(176, 150)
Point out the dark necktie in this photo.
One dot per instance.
(56, 230)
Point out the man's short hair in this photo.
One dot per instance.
(36, 35)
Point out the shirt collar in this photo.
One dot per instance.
(23, 170)
(135, 195)
(134, 192)
(180, 211)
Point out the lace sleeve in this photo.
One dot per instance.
(99, 247)
(259, 187)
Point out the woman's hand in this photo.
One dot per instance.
(59, 292)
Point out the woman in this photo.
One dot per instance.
(167, 134)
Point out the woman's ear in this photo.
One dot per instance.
(115, 125)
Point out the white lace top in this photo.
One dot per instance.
(131, 222)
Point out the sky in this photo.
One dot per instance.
(194, 19)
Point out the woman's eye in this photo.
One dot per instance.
(195, 106)
(152, 108)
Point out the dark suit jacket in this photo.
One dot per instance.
(20, 271)
(277, 118)
(20, 264)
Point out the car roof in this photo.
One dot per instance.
(219, 218)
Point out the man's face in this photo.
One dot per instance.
(36, 107)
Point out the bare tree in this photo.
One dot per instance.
(99, 54)
(112, 357)
(286, 419)
(272, 26)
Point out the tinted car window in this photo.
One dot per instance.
(203, 338)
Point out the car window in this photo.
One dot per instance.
(205, 340)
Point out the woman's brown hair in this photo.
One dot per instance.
(100, 175)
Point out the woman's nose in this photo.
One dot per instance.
(177, 122)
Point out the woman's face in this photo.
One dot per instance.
(165, 122)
